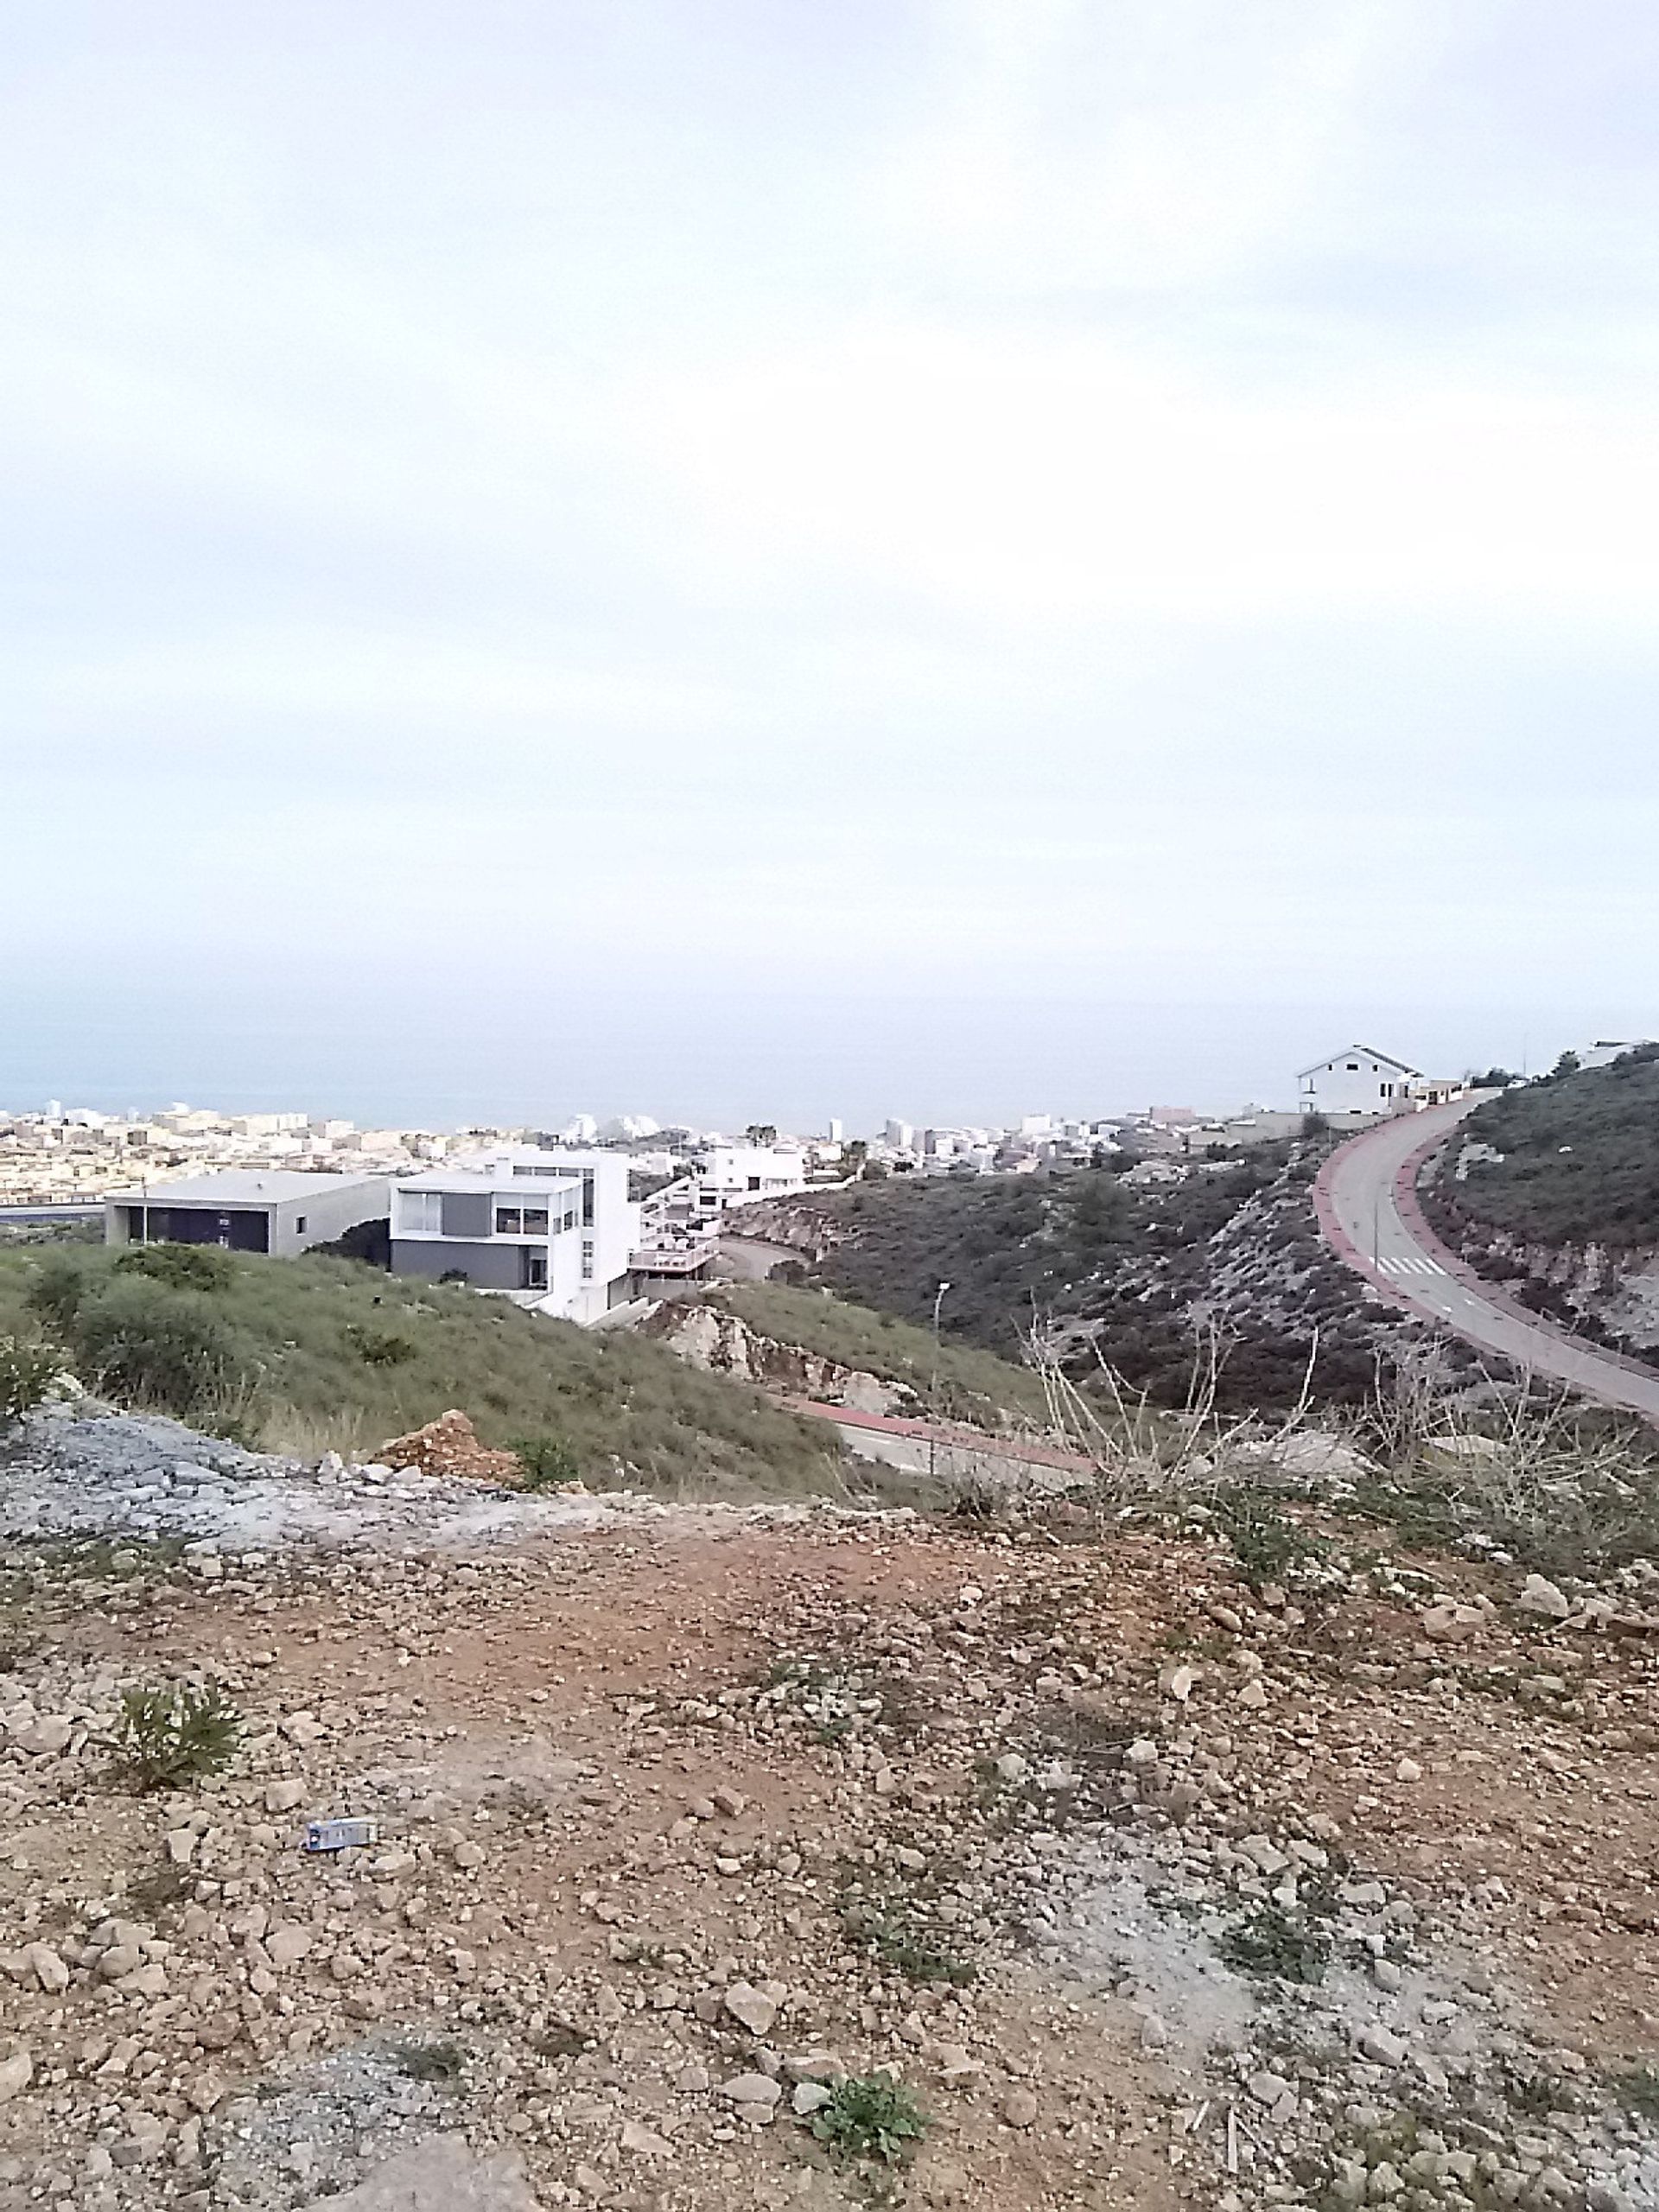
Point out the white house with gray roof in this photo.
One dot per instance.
(1358, 1080)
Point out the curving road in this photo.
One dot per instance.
(1366, 1196)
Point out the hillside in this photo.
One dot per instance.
(1572, 1160)
(957, 1381)
(1554, 1190)
(1141, 1275)
(307, 1355)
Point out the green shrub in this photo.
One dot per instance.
(378, 1347)
(181, 1266)
(166, 1737)
(26, 1374)
(149, 1346)
(548, 1461)
(1638, 2090)
(870, 2115)
(54, 1296)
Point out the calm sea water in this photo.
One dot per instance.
(408, 1054)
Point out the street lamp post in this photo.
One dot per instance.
(933, 1394)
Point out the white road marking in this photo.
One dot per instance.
(1411, 1265)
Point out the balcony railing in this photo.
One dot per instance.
(669, 1259)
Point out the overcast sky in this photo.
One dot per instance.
(680, 545)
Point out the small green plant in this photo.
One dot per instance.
(180, 1267)
(548, 1461)
(1273, 1946)
(870, 2116)
(1268, 1545)
(164, 1886)
(1638, 2090)
(442, 2061)
(560, 2040)
(378, 1347)
(175, 1735)
(920, 1961)
(26, 1374)
(900, 1931)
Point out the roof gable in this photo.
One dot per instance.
(1383, 1060)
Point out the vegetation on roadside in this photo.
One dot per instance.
(1571, 1159)
(548, 1461)
(289, 1354)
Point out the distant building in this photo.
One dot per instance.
(900, 1136)
(1607, 1050)
(268, 1210)
(1360, 1080)
(739, 1175)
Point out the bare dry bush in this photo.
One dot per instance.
(1540, 1479)
(1557, 1487)
(1143, 1455)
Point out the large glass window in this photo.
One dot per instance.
(420, 1211)
(509, 1221)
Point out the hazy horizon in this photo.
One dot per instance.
(926, 558)
(944, 1061)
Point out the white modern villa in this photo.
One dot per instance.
(555, 1230)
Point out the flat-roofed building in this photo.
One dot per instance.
(267, 1209)
(554, 1229)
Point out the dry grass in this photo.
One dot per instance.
(1544, 1480)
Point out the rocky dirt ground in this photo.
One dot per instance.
(1154, 1887)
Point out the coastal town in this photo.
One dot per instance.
(583, 1220)
(55, 1155)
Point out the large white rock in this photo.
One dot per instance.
(1540, 1595)
(755, 2009)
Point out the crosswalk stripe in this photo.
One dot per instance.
(1412, 1264)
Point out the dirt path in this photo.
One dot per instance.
(679, 1822)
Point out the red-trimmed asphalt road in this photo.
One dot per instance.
(1366, 1195)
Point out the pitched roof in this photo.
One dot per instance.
(1386, 1058)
